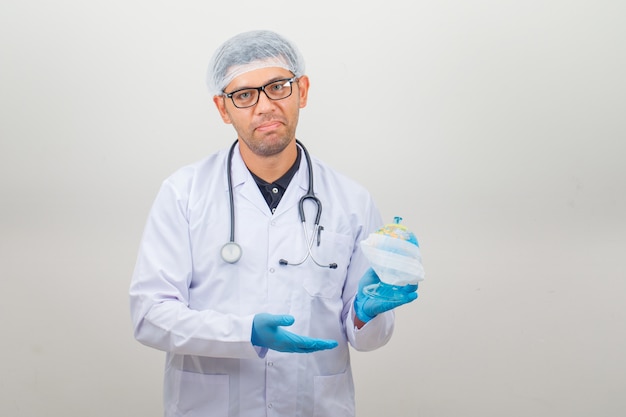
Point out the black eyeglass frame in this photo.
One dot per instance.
(262, 88)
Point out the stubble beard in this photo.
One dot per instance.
(270, 144)
(264, 147)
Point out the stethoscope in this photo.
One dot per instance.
(231, 251)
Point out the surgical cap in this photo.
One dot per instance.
(249, 51)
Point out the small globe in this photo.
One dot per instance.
(398, 231)
(394, 255)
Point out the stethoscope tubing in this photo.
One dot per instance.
(231, 197)
(231, 251)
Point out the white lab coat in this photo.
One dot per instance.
(188, 302)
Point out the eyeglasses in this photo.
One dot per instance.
(248, 97)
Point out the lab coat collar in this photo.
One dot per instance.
(244, 185)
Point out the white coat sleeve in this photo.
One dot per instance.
(374, 334)
(159, 291)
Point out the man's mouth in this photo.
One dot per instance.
(270, 125)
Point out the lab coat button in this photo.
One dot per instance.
(270, 364)
(269, 406)
(272, 270)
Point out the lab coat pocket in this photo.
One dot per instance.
(328, 282)
(334, 396)
(201, 395)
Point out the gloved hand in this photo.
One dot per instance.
(267, 332)
(366, 307)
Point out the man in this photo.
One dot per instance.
(259, 325)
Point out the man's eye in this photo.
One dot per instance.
(277, 86)
(243, 95)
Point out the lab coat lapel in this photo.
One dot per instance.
(245, 186)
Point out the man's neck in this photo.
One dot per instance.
(269, 168)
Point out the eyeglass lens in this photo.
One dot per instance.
(248, 97)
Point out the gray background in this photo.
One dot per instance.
(495, 128)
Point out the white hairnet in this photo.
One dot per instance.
(249, 51)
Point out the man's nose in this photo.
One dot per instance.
(264, 102)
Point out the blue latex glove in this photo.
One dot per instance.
(267, 332)
(366, 307)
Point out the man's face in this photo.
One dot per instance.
(269, 126)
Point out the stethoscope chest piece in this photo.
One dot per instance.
(231, 252)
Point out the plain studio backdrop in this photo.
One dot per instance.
(496, 129)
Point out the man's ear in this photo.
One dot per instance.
(303, 90)
(220, 103)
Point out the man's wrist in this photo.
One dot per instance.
(358, 323)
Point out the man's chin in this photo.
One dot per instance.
(269, 145)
